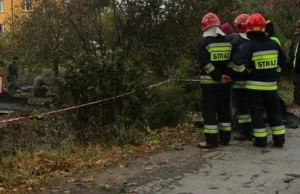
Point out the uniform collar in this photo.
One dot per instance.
(213, 32)
(244, 36)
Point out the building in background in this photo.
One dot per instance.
(9, 9)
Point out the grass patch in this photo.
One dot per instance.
(26, 171)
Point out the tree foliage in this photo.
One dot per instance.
(99, 49)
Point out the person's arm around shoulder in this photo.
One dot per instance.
(242, 58)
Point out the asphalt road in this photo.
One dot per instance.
(240, 168)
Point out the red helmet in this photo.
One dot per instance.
(240, 23)
(256, 23)
(210, 20)
(227, 28)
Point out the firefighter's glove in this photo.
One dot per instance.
(225, 79)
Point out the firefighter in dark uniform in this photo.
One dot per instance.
(294, 57)
(214, 53)
(259, 58)
(241, 96)
(270, 31)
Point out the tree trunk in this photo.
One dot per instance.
(56, 67)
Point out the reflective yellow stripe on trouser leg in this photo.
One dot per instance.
(244, 119)
(260, 133)
(211, 129)
(225, 127)
(279, 130)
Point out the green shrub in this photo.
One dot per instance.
(170, 104)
